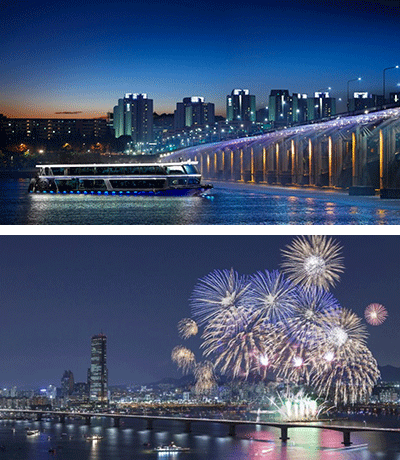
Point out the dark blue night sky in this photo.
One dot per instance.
(58, 291)
(74, 56)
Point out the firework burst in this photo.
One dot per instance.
(375, 314)
(313, 261)
(205, 378)
(344, 369)
(292, 326)
(219, 291)
(314, 308)
(241, 351)
(272, 295)
(187, 327)
(347, 379)
(184, 358)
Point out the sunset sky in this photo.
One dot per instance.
(70, 56)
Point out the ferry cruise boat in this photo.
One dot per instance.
(171, 448)
(168, 179)
(94, 437)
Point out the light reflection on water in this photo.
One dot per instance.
(206, 442)
(231, 204)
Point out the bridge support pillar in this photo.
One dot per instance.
(241, 166)
(330, 162)
(87, 420)
(284, 434)
(232, 429)
(317, 161)
(117, 422)
(252, 167)
(293, 162)
(188, 427)
(39, 416)
(346, 438)
(149, 424)
(264, 164)
(62, 418)
(277, 161)
(310, 162)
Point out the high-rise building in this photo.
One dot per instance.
(363, 100)
(280, 106)
(299, 108)
(241, 106)
(98, 369)
(67, 383)
(322, 105)
(193, 112)
(133, 116)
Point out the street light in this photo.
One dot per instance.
(354, 79)
(384, 70)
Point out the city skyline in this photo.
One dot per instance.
(59, 291)
(64, 58)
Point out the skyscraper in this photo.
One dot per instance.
(299, 108)
(193, 112)
(98, 369)
(280, 106)
(67, 383)
(133, 116)
(241, 106)
(322, 105)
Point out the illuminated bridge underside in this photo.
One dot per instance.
(360, 150)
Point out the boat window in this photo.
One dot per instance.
(190, 169)
(111, 170)
(151, 170)
(90, 171)
(137, 184)
(175, 169)
(58, 171)
(178, 181)
(92, 184)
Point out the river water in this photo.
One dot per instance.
(227, 204)
(206, 442)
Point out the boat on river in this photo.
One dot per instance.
(94, 437)
(159, 179)
(171, 448)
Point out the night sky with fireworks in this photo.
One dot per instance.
(58, 291)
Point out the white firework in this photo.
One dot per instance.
(344, 368)
(220, 292)
(313, 261)
(205, 377)
(187, 327)
(184, 358)
(240, 351)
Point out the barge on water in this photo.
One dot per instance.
(160, 179)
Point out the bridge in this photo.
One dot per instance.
(188, 421)
(359, 152)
